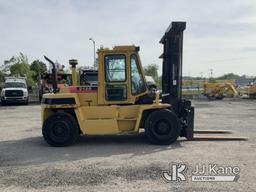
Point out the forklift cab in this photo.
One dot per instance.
(121, 78)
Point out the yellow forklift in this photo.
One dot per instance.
(120, 102)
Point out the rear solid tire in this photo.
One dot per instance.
(60, 130)
(162, 127)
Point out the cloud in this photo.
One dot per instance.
(216, 30)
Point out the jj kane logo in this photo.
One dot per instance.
(201, 173)
(177, 172)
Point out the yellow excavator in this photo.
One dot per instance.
(252, 90)
(218, 91)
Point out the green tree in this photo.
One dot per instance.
(20, 59)
(229, 76)
(22, 69)
(7, 64)
(39, 68)
(151, 70)
(19, 66)
(19, 69)
(1, 77)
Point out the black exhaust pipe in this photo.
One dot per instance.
(54, 75)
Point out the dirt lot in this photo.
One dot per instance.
(124, 163)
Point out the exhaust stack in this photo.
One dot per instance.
(54, 75)
(73, 63)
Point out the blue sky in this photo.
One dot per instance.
(220, 35)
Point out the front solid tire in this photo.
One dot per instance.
(162, 127)
(60, 129)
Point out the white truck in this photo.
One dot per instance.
(15, 90)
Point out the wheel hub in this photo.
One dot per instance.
(162, 128)
(59, 129)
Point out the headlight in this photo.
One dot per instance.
(25, 93)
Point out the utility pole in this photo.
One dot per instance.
(211, 72)
(201, 73)
(94, 56)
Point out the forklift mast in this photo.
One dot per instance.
(172, 77)
(172, 64)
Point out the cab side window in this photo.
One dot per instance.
(137, 81)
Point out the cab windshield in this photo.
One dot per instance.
(14, 85)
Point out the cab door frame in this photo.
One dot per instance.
(131, 99)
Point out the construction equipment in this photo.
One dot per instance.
(46, 83)
(218, 91)
(120, 102)
(252, 91)
(88, 77)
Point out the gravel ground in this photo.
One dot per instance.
(124, 163)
